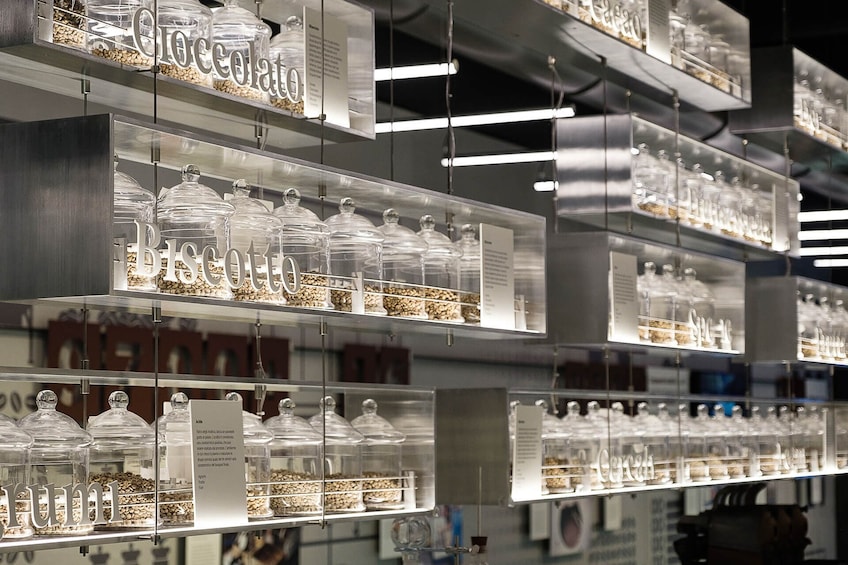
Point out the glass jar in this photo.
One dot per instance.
(356, 249)
(637, 459)
(58, 457)
(555, 453)
(257, 462)
(658, 456)
(698, 448)
(644, 289)
(112, 31)
(176, 494)
(660, 305)
(122, 450)
(584, 447)
(703, 305)
(441, 273)
(768, 445)
(717, 438)
(381, 459)
(132, 203)
(306, 240)
(609, 465)
(690, 186)
(811, 421)
(194, 216)
(415, 421)
(190, 21)
(742, 451)
(287, 50)
(841, 439)
(256, 233)
(15, 445)
(342, 459)
(403, 268)
(808, 327)
(650, 181)
(470, 265)
(295, 463)
(244, 40)
(69, 23)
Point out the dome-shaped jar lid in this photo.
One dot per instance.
(552, 427)
(232, 16)
(374, 427)
(468, 243)
(118, 423)
(290, 38)
(250, 219)
(131, 200)
(400, 243)
(191, 202)
(50, 428)
(255, 433)
(335, 428)
(176, 424)
(298, 220)
(289, 429)
(439, 246)
(350, 229)
(11, 436)
(181, 14)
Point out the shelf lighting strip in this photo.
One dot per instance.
(819, 235)
(824, 251)
(823, 216)
(502, 159)
(475, 120)
(830, 263)
(415, 71)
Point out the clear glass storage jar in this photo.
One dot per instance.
(287, 53)
(470, 264)
(244, 40)
(295, 463)
(342, 459)
(112, 33)
(15, 445)
(381, 459)
(356, 249)
(132, 203)
(181, 24)
(768, 445)
(122, 450)
(256, 233)
(176, 494)
(257, 462)
(194, 216)
(555, 452)
(584, 447)
(306, 240)
(403, 268)
(441, 273)
(58, 457)
(69, 23)
(703, 313)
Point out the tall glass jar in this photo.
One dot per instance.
(244, 40)
(256, 233)
(660, 305)
(122, 450)
(176, 494)
(69, 23)
(356, 249)
(381, 459)
(15, 445)
(287, 52)
(58, 457)
(112, 32)
(555, 452)
(257, 462)
(181, 24)
(441, 273)
(768, 444)
(295, 463)
(306, 240)
(703, 308)
(342, 459)
(470, 264)
(656, 437)
(194, 216)
(131, 203)
(403, 268)
(584, 447)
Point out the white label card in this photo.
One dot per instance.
(527, 453)
(624, 299)
(497, 281)
(217, 449)
(329, 61)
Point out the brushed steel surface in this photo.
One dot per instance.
(771, 313)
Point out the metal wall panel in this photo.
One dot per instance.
(771, 315)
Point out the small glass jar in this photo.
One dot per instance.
(131, 203)
(306, 240)
(703, 312)
(244, 40)
(381, 459)
(69, 23)
(584, 447)
(356, 249)
(415, 420)
(176, 483)
(403, 268)
(768, 445)
(257, 462)
(58, 457)
(122, 450)
(255, 233)
(555, 453)
(342, 459)
(659, 305)
(295, 463)
(112, 31)
(15, 445)
(658, 456)
(470, 264)
(287, 50)
(193, 216)
(441, 273)
(181, 24)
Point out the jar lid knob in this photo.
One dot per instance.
(294, 23)
(427, 222)
(233, 396)
(191, 173)
(390, 216)
(241, 188)
(119, 399)
(347, 205)
(291, 197)
(286, 406)
(179, 401)
(328, 404)
(46, 400)
(543, 404)
(650, 267)
(369, 406)
(468, 231)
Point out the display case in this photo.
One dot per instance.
(110, 48)
(621, 172)
(608, 289)
(74, 258)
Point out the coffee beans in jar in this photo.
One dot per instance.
(258, 503)
(286, 104)
(312, 294)
(343, 493)
(470, 307)
(63, 528)
(127, 57)
(135, 496)
(199, 287)
(134, 280)
(246, 292)
(24, 530)
(176, 507)
(295, 494)
(404, 301)
(443, 304)
(69, 23)
(231, 87)
(380, 489)
(555, 472)
(187, 74)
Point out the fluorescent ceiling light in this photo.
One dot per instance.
(545, 185)
(818, 235)
(823, 251)
(501, 159)
(823, 216)
(830, 263)
(415, 71)
(475, 120)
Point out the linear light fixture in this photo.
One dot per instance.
(823, 216)
(475, 120)
(545, 185)
(416, 71)
(818, 235)
(824, 251)
(501, 159)
(830, 263)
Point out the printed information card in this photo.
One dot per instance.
(624, 300)
(329, 61)
(497, 281)
(217, 450)
(527, 453)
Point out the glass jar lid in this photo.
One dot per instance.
(439, 246)
(50, 428)
(469, 245)
(175, 426)
(11, 436)
(335, 428)
(400, 243)
(348, 229)
(191, 202)
(251, 220)
(118, 423)
(289, 42)
(552, 427)
(299, 222)
(290, 429)
(131, 200)
(375, 428)
(234, 24)
(255, 433)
